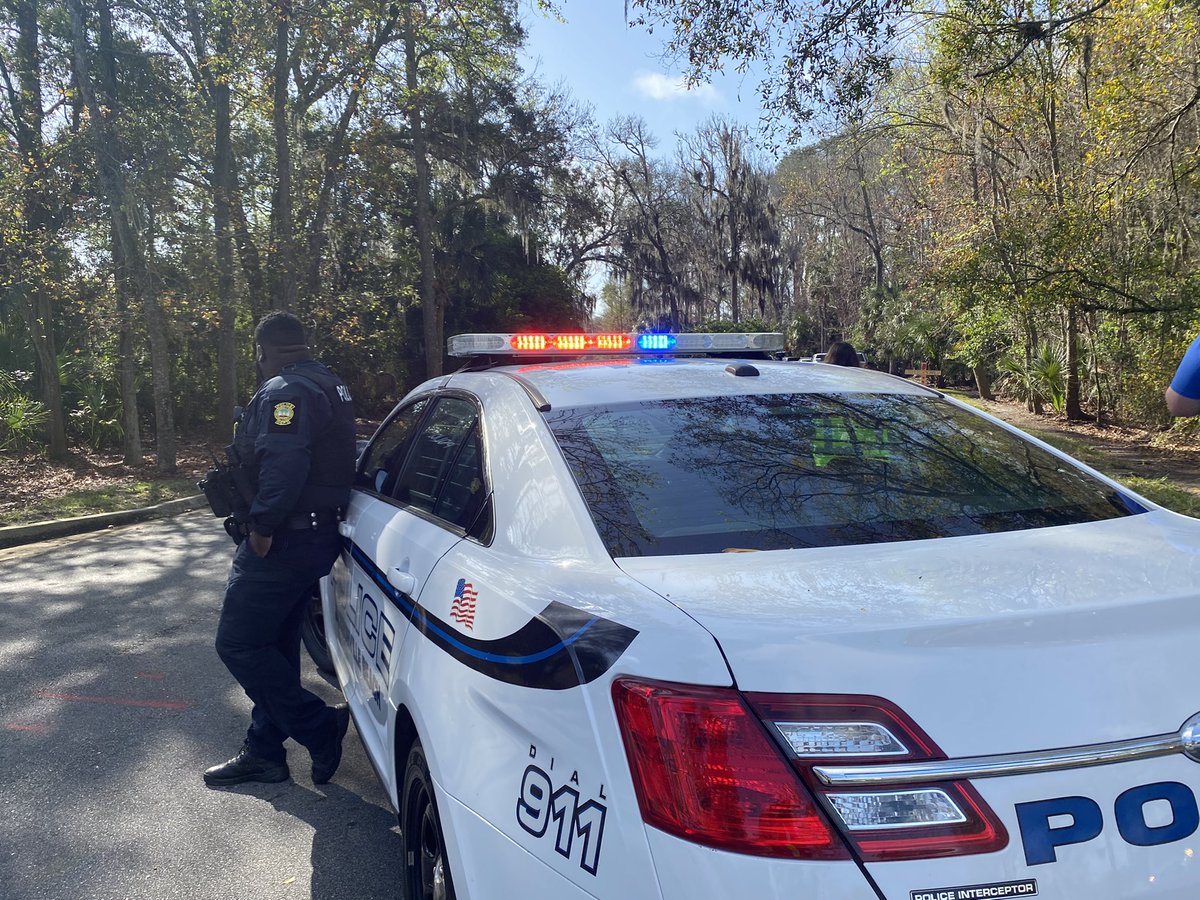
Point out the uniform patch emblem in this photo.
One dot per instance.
(284, 413)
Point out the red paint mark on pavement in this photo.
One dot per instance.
(39, 729)
(111, 701)
(153, 676)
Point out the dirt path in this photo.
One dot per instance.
(1121, 451)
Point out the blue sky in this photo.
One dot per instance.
(617, 70)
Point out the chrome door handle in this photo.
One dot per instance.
(404, 582)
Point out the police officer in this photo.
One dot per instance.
(297, 437)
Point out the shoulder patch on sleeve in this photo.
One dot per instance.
(284, 415)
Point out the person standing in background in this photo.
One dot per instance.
(841, 353)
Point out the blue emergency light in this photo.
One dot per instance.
(656, 341)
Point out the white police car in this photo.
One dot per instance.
(638, 624)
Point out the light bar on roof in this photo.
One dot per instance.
(617, 344)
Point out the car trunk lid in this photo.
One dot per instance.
(994, 644)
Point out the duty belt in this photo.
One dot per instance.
(314, 520)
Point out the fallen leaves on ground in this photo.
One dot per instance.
(28, 478)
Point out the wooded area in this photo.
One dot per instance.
(1006, 191)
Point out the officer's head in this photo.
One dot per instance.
(278, 340)
(841, 353)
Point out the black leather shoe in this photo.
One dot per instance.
(246, 767)
(325, 764)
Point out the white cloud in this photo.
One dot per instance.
(657, 86)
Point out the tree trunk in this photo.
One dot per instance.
(212, 77)
(226, 332)
(873, 240)
(127, 376)
(431, 312)
(223, 190)
(1095, 357)
(335, 156)
(283, 256)
(1074, 408)
(156, 326)
(37, 308)
(256, 281)
(316, 227)
(39, 319)
(1034, 402)
(983, 382)
(126, 364)
(109, 156)
(735, 252)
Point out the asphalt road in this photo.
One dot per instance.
(112, 703)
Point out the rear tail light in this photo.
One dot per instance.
(706, 770)
(735, 772)
(888, 822)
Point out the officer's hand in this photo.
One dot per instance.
(260, 544)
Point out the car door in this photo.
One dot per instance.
(355, 621)
(394, 538)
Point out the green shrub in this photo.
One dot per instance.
(21, 417)
(96, 418)
(1044, 378)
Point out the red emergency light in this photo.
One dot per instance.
(570, 342)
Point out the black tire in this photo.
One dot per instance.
(313, 632)
(426, 868)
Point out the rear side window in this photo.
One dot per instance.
(444, 472)
(462, 495)
(806, 470)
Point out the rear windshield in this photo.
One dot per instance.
(807, 470)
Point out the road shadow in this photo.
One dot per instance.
(113, 702)
(356, 846)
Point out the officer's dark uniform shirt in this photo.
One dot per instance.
(299, 432)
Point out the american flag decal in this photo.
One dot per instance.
(463, 609)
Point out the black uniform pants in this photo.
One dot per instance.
(258, 638)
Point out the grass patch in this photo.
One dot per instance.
(1081, 450)
(112, 498)
(963, 396)
(1164, 493)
